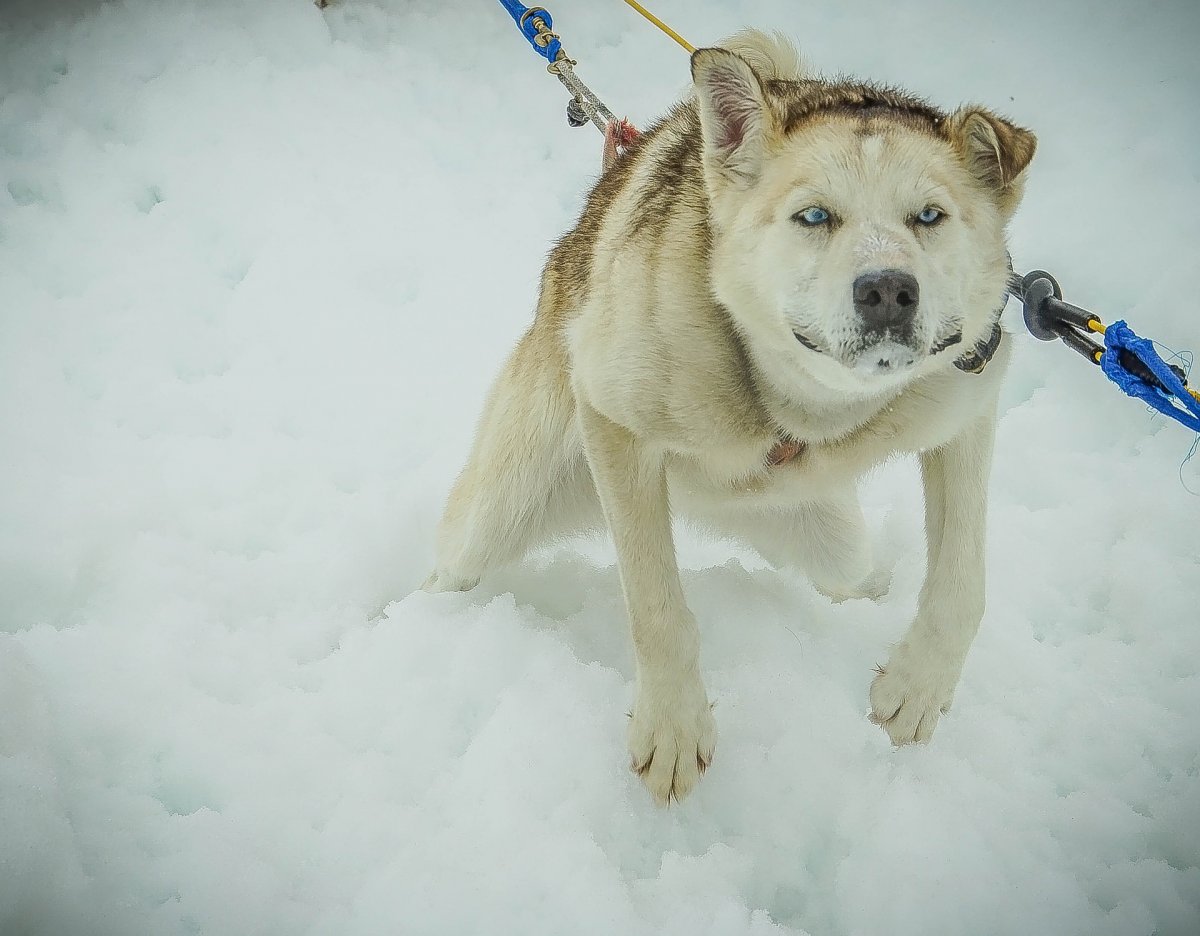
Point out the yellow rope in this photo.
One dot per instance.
(1096, 325)
(661, 25)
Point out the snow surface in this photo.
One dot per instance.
(258, 264)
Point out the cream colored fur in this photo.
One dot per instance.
(663, 368)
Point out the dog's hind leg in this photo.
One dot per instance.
(832, 545)
(826, 540)
(526, 480)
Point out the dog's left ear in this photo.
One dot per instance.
(734, 115)
(995, 150)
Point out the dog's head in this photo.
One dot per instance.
(857, 232)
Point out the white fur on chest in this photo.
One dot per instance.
(922, 417)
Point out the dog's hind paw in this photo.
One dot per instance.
(875, 587)
(672, 735)
(441, 581)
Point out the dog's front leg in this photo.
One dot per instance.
(917, 684)
(671, 731)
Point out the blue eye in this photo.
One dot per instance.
(930, 215)
(811, 217)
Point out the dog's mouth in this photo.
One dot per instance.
(883, 357)
(948, 342)
(886, 357)
(807, 342)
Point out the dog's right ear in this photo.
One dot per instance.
(734, 116)
(995, 150)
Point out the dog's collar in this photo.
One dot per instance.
(785, 451)
(977, 359)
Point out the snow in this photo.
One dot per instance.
(258, 264)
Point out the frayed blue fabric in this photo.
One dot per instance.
(1175, 402)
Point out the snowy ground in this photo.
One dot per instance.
(257, 266)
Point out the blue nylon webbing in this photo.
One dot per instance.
(1178, 404)
(516, 11)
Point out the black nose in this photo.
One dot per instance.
(887, 300)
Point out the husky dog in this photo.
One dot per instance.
(782, 284)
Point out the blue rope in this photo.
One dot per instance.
(1175, 401)
(517, 11)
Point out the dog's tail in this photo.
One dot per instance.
(771, 55)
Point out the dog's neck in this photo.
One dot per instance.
(797, 406)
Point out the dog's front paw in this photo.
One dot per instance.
(672, 735)
(911, 692)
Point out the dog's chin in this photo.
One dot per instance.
(884, 360)
(862, 371)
